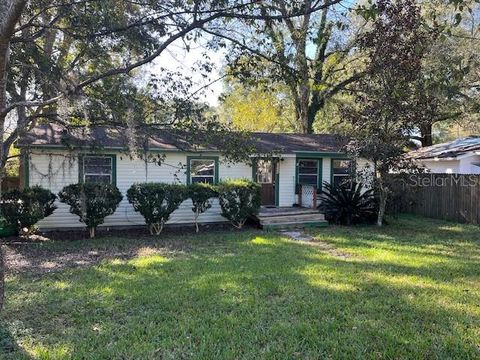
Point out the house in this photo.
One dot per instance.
(461, 156)
(55, 157)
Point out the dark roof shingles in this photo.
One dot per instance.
(109, 137)
(446, 150)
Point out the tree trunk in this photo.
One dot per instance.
(4, 53)
(316, 104)
(426, 134)
(91, 232)
(196, 222)
(156, 228)
(2, 277)
(382, 204)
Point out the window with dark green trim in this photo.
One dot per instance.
(309, 172)
(97, 169)
(202, 170)
(342, 170)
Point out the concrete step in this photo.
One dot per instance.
(289, 212)
(289, 219)
(295, 225)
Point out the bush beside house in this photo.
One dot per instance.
(239, 199)
(156, 202)
(201, 195)
(22, 209)
(91, 202)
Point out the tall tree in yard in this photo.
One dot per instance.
(309, 54)
(447, 90)
(383, 114)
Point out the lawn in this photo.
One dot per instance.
(408, 291)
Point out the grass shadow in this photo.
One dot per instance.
(252, 295)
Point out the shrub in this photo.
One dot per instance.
(92, 202)
(239, 199)
(156, 202)
(22, 209)
(201, 195)
(348, 204)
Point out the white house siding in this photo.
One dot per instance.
(467, 165)
(63, 170)
(442, 166)
(464, 165)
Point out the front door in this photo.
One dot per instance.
(266, 178)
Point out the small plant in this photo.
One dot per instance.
(22, 209)
(201, 195)
(156, 202)
(348, 204)
(92, 202)
(239, 199)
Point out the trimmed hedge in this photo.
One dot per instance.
(92, 202)
(22, 209)
(156, 202)
(239, 199)
(201, 195)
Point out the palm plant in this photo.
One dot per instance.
(348, 204)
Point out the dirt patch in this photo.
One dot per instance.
(56, 251)
(300, 236)
(27, 258)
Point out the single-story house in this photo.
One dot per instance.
(461, 156)
(55, 157)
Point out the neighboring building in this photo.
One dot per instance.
(55, 158)
(461, 156)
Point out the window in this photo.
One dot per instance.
(308, 172)
(264, 172)
(203, 171)
(98, 169)
(341, 171)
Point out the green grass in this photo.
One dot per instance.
(408, 291)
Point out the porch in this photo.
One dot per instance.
(290, 217)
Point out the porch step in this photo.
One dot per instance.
(288, 219)
(295, 225)
(275, 212)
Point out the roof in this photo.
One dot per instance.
(450, 149)
(55, 136)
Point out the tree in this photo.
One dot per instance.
(447, 88)
(383, 114)
(257, 108)
(309, 54)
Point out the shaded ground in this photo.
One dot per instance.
(55, 251)
(407, 291)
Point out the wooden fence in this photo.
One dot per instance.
(442, 196)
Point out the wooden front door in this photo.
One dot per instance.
(266, 178)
